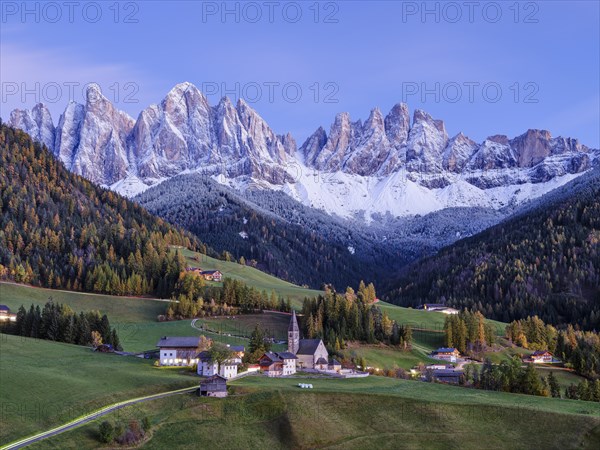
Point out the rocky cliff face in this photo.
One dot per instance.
(182, 133)
(375, 147)
(407, 166)
(424, 151)
(37, 122)
(101, 152)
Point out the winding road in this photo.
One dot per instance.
(90, 417)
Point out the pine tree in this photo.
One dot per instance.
(553, 385)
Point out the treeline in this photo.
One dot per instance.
(584, 390)
(579, 350)
(511, 376)
(468, 332)
(545, 261)
(194, 299)
(508, 376)
(59, 230)
(58, 322)
(337, 318)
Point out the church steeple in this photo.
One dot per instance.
(293, 335)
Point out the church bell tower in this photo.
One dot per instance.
(293, 335)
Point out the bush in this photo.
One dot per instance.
(107, 432)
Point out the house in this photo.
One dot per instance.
(278, 364)
(207, 367)
(541, 356)
(229, 369)
(5, 314)
(447, 376)
(178, 351)
(438, 307)
(212, 275)
(311, 353)
(214, 386)
(446, 354)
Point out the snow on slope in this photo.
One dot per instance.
(363, 197)
(349, 195)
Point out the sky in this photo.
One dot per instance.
(485, 68)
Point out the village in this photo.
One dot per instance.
(308, 357)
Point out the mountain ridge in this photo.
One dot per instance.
(388, 164)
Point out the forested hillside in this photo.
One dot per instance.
(283, 237)
(544, 261)
(301, 244)
(59, 230)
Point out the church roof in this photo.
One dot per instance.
(308, 346)
(321, 361)
(294, 323)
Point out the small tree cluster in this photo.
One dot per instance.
(131, 434)
(58, 322)
(468, 332)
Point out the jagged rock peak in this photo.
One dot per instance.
(37, 122)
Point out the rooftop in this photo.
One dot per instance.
(446, 350)
(286, 355)
(178, 341)
(272, 356)
(308, 346)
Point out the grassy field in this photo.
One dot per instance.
(426, 320)
(382, 357)
(564, 377)
(367, 413)
(123, 309)
(47, 383)
(251, 276)
(135, 321)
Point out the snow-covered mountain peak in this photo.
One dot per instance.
(37, 121)
(385, 164)
(375, 121)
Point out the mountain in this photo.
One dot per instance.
(61, 231)
(281, 235)
(388, 165)
(543, 260)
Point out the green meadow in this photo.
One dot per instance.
(371, 413)
(44, 384)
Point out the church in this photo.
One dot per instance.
(311, 353)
